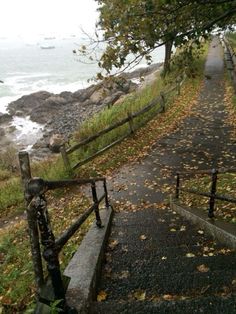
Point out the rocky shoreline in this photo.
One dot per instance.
(61, 114)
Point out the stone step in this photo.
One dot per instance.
(208, 305)
(170, 262)
(122, 286)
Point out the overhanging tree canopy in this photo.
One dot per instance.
(139, 27)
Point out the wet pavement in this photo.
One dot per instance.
(156, 261)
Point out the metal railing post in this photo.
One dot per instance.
(106, 194)
(50, 252)
(32, 221)
(95, 201)
(213, 193)
(177, 186)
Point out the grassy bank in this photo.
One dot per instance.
(16, 279)
(231, 36)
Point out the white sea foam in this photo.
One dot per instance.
(27, 132)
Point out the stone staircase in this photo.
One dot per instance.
(158, 262)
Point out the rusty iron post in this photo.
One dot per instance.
(50, 252)
(213, 193)
(177, 186)
(106, 194)
(95, 201)
(32, 221)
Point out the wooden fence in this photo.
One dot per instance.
(161, 100)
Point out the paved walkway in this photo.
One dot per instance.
(157, 261)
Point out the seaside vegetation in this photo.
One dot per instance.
(16, 279)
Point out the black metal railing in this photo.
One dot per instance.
(212, 195)
(44, 245)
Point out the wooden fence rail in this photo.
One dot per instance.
(161, 100)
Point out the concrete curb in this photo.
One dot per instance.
(220, 230)
(84, 268)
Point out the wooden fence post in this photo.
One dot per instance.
(131, 122)
(65, 159)
(32, 221)
(163, 102)
(178, 87)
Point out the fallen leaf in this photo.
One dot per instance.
(143, 237)
(140, 295)
(113, 243)
(200, 232)
(102, 295)
(190, 255)
(167, 297)
(173, 230)
(124, 274)
(203, 268)
(164, 258)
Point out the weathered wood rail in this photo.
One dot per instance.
(161, 104)
(212, 195)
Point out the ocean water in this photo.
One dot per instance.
(26, 68)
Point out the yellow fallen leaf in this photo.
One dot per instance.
(200, 231)
(102, 295)
(190, 255)
(140, 295)
(203, 268)
(172, 229)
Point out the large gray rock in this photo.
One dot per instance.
(55, 100)
(55, 143)
(2, 132)
(4, 117)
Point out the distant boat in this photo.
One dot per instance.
(49, 38)
(47, 47)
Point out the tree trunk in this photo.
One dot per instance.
(168, 47)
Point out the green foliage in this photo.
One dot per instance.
(139, 27)
(11, 194)
(8, 160)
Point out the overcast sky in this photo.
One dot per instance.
(30, 18)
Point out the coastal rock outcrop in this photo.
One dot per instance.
(61, 114)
